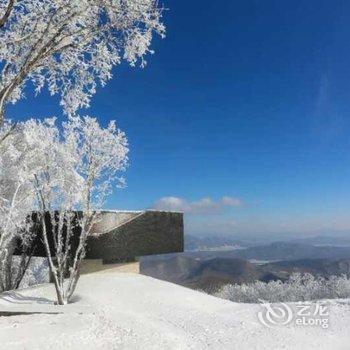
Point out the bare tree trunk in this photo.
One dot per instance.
(26, 257)
(86, 225)
(2, 107)
(7, 277)
(59, 291)
(4, 93)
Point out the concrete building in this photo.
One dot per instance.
(123, 236)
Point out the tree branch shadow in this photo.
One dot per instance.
(17, 298)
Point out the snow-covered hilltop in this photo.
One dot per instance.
(130, 311)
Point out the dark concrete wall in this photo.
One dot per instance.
(38, 245)
(151, 232)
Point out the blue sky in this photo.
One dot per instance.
(248, 100)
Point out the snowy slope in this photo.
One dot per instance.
(129, 311)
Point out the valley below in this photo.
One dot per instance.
(210, 270)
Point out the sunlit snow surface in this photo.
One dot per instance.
(129, 311)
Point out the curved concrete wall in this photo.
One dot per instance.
(109, 220)
(123, 236)
(152, 232)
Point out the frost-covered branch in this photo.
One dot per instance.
(71, 46)
(16, 203)
(8, 9)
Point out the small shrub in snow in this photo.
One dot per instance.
(37, 272)
(299, 287)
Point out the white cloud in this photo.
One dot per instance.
(230, 201)
(202, 206)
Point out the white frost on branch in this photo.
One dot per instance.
(71, 45)
(16, 202)
(100, 155)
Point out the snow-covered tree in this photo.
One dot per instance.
(16, 202)
(71, 45)
(58, 176)
(299, 287)
(81, 165)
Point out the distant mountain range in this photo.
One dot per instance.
(208, 270)
(293, 251)
(276, 251)
(336, 241)
(211, 274)
(196, 243)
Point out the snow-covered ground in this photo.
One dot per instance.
(130, 311)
